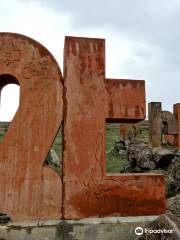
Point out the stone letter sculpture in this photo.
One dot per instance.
(27, 189)
(30, 191)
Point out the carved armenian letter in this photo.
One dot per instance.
(90, 102)
(27, 189)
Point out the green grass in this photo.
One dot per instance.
(114, 164)
(1, 137)
(57, 145)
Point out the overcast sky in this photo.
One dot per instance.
(142, 38)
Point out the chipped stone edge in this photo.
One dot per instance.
(85, 221)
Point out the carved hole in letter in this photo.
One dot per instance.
(9, 102)
(54, 156)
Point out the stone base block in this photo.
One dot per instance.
(111, 228)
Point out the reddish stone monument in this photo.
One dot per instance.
(129, 131)
(27, 189)
(30, 191)
(169, 138)
(155, 124)
(163, 122)
(90, 101)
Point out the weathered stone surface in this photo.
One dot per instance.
(112, 228)
(169, 122)
(145, 159)
(174, 171)
(162, 157)
(169, 221)
(174, 205)
(91, 100)
(169, 140)
(163, 122)
(54, 162)
(32, 191)
(134, 148)
(139, 154)
(163, 223)
(28, 190)
(129, 131)
(128, 168)
(119, 147)
(155, 124)
(149, 158)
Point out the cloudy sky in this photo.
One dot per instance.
(142, 38)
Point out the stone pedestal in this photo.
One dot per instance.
(114, 228)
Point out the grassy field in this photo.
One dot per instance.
(114, 163)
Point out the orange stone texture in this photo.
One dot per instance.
(163, 122)
(129, 129)
(90, 102)
(177, 114)
(169, 138)
(123, 131)
(27, 189)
